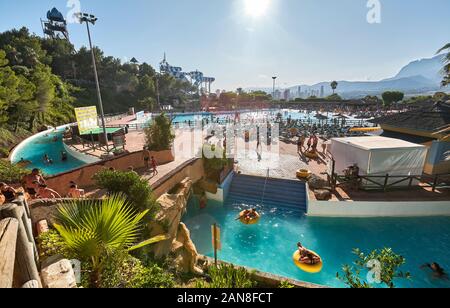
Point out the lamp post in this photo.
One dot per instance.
(88, 18)
(273, 93)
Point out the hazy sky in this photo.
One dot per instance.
(244, 42)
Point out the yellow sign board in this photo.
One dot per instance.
(217, 244)
(87, 119)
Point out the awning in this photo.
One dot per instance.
(365, 129)
(99, 130)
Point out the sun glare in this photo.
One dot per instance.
(256, 8)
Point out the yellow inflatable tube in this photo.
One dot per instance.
(303, 173)
(253, 221)
(312, 155)
(312, 269)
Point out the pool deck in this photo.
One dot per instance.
(283, 166)
(415, 194)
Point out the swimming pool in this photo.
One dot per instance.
(261, 114)
(269, 245)
(34, 148)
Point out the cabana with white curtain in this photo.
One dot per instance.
(378, 156)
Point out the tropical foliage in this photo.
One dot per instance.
(159, 136)
(42, 80)
(390, 97)
(119, 269)
(122, 270)
(446, 69)
(334, 85)
(226, 276)
(136, 189)
(11, 173)
(334, 97)
(381, 265)
(95, 230)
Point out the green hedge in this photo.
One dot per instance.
(137, 190)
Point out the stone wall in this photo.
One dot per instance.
(192, 169)
(83, 176)
(168, 222)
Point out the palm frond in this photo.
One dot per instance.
(444, 48)
(90, 227)
(153, 240)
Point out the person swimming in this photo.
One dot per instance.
(64, 156)
(249, 215)
(438, 271)
(47, 160)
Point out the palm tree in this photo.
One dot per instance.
(446, 69)
(334, 86)
(93, 229)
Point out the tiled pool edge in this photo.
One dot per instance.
(270, 280)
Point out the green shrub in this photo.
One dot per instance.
(11, 173)
(385, 263)
(4, 152)
(227, 276)
(213, 165)
(286, 285)
(137, 190)
(51, 244)
(124, 271)
(159, 136)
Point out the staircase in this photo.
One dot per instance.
(269, 192)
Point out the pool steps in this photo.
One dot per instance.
(290, 194)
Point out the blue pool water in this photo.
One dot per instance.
(293, 114)
(269, 245)
(36, 147)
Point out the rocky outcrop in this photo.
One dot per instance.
(322, 194)
(186, 255)
(208, 186)
(168, 219)
(44, 210)
(316, 182)
(58, 273)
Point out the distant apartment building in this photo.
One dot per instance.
(287, 94)
(322, 91)
(277, 94)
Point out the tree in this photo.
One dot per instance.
(334, 86)
(159, 136)
(94, 230)
(390, 97)
(383, 267)
(334, 97)
(446, 69)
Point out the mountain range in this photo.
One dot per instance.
(418, 77)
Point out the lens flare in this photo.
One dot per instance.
(256, 8)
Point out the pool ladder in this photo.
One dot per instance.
(265, 185)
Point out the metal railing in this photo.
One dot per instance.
(387, 182)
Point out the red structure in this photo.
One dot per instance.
(231, 101)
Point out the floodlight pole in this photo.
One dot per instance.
(92, 19)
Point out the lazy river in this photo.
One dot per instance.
(34, 148)
(269, 245)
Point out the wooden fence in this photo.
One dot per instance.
(18, 252)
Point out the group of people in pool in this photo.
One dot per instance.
(49, 161)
